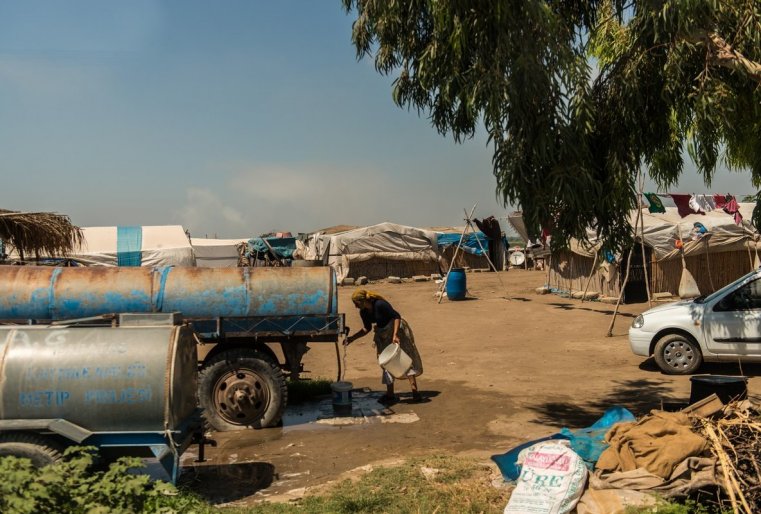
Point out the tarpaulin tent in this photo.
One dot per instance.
(382, 250)
(217, 253)
(726, 253)
(276, 247)
(472, 255)
(134, 246)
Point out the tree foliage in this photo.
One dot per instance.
(578, 96)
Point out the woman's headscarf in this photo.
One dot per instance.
(360, 295)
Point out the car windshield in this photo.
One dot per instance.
(723, 290)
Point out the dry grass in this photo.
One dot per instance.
(39, 233)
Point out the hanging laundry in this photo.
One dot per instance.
(655, 203)
(720, 201)
(682, 204)
(693, 203)
(706, 203)
(698, 230)
(733, 209)
(545, 235)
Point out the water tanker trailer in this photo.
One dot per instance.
(236, 313)
(126, 390)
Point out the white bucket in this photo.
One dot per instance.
(341, 397)
(395, 361)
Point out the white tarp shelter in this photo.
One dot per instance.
(726, 252)
(383, 241)
(216, 253)
(661, 230)
(159, 246)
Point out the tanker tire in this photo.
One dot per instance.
(236, 369)
(40, 450)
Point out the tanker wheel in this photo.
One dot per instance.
(241, 389)
(40, 450)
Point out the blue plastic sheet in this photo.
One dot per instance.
(586, 442)
(469, 242)
(129, 245)
(283, 247)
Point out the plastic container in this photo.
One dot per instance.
(456, 284)
(341, 397)
(726, 387)
(395, 361)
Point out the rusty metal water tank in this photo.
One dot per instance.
(47, 293)
(104, 379)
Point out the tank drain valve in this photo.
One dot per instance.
(202, 441)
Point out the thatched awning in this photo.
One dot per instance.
(39, 233)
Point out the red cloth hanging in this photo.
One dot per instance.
(732, 208)
(720, 200)
(682, 204)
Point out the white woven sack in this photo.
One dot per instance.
(552, 480)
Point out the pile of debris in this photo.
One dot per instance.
(735, 439)
(708, 451)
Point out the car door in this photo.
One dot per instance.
(733, 325)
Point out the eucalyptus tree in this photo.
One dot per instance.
(578, 96)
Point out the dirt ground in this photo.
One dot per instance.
(497, 373)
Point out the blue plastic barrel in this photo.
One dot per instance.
(456, 284)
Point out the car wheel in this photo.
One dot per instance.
(677, 354)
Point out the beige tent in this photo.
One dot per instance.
(376, 252)
(726, 253)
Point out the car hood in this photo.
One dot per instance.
(668, 307)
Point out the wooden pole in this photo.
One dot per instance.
(589, 280)
(642, 239)
(451, 264)
(708, 262)
(750, 257)
(626, 277)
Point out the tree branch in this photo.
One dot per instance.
(722, 54)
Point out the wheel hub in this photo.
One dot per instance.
(240, 397)
(678, 354)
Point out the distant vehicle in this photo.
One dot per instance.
(723, 326)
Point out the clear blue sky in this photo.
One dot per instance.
(228, 117)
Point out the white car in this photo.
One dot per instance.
(723, 326)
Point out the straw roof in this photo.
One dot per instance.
(43, 233)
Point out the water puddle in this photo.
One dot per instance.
(365, 410)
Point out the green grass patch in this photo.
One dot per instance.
(422, 485)
(433, 484)
(307, 390)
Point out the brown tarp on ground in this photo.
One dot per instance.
(660, 452)
(613, 501)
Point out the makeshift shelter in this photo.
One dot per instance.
(470, 256)
(377, 252)
(218, 253)
(271, 251)
(135, 246)
(473, 244)
(723, 254)
(33, 234)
